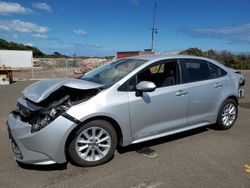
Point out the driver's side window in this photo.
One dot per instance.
(162, 74)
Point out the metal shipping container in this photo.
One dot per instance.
(16, 58)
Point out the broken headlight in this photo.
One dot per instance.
(46, 118)
(41, 114)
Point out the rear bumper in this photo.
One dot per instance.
(46, 146)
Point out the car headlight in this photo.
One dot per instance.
(46, 118)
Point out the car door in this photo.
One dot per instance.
(162, 110)
(204, 91)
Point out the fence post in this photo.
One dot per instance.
(67, 71)
(32, 69)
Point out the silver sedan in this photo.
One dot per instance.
(123, 102)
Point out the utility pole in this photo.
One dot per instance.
(153, 29)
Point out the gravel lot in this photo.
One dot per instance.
(199, 158)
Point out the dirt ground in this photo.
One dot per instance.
(199, 158)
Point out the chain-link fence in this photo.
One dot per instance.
(58, 68)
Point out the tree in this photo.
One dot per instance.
(193, 51)
(211, 54)
(5, 45)
(227, 58)
(56, 55)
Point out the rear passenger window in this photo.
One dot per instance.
(215, 71)
(195, 70)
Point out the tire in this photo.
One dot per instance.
(86, 150)
(227, 115)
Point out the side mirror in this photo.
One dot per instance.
(144, 86)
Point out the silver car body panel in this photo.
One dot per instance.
(198, 106)
(107, 103)
(159, 135)
(46, 146)
(142, 108)
(39, 91)
(28, 104)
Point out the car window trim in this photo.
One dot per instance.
(151, 65)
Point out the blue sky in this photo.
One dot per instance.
(103, 27)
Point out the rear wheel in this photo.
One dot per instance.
(93, 144)
(227, 114)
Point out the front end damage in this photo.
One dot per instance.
(38, 130)
(39, 115)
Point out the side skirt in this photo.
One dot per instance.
(169, 133)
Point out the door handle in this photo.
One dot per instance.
(181, 93)
(218, 85)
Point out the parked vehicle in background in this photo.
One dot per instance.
(123, 102)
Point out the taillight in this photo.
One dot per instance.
(242, 82)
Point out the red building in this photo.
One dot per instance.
(133, 53)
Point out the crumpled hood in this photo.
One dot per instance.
(40, 90)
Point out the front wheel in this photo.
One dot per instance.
(227, 114)
(93, 144)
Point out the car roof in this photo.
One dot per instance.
(150, 58)
(158, 57)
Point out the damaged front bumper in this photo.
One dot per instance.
(46, 146)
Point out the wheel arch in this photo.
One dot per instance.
(114, 123)
(232, 97)
(219, 123)
(221, 103)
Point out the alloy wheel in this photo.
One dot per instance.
(93, 144)
(228, 114)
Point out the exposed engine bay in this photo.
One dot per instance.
(40, 114)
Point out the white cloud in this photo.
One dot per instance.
(29, 44)
(82, 46)
(86, 46)
(40, 36)
(233, 34)
(20, 26)
(94, 46)
(7, 8)
(4, 27)
(42, 6)
(80, 32)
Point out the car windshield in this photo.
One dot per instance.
(112, 72)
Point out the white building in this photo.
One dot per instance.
(16, 58)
